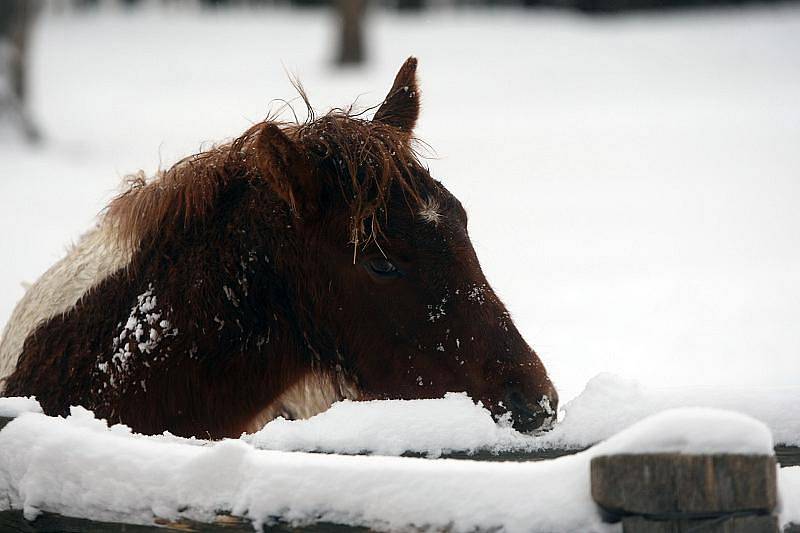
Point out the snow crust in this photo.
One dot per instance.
(15, 406)
(79, 466)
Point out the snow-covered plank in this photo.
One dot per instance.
(15, 522)
(78, 466)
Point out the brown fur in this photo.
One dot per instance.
(256, 255)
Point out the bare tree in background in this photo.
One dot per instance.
(351, 39)
(410, 5)
(16, 20)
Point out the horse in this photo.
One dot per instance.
(300, 264)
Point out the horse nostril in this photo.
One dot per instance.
(529, 415)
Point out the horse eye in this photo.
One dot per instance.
(382, 267)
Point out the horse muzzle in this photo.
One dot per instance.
(529, 415)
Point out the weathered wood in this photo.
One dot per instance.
(725, 524)
(14, 522)
(684, 486)
(518, 456)
(786, 455)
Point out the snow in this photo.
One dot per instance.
(392, 427)
(692, 430)
(631, 189)
(608, 405)
(789, 493)
(13, 407)
(80, 467)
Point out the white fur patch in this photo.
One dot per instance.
(313, 394)
(430, 212)
(96, 256)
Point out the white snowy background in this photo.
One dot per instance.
(632, 182)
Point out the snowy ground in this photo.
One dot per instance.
(632, 182)
(79, 467)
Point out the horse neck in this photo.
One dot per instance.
(241, 332)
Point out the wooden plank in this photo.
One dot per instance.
(726, 524)
(786, 455)
(519, 456)
(14, 522)
(682, 486)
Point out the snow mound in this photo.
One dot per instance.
(392, 427)
(610, 403)
(692, 430)
(15, 406)
(79, 466)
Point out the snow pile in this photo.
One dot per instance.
(80, 467)
(611, 403)
(392, 427)
(607, 406)
(13, 407)
(692, 430)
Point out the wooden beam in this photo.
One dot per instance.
(676, 493)
(14, 522)
(785, 455)
(684, 485)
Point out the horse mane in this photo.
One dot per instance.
(365, 159)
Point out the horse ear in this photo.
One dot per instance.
(287, 169)
(401, 106)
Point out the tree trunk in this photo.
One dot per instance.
(16, 20)
(351, 38)
(410, 5)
